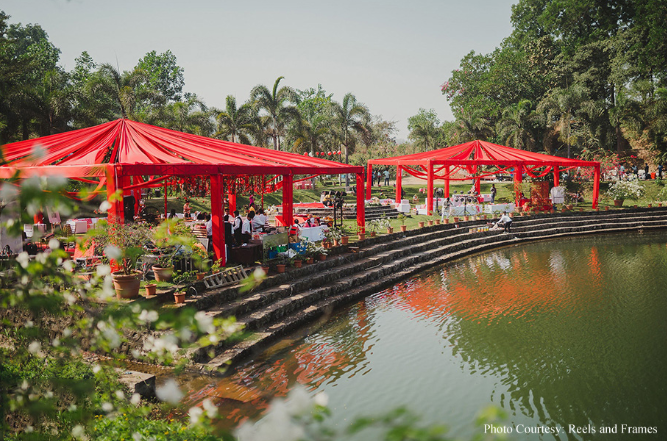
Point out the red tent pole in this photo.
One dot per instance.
(429, 190)
(232, 203)
(116, 206)
(361, 208)
(399, 183)
(166, 210)
(369, 180)
(556, 176)
(217, 218)
(447, 181)
(288, 200)
(518, 177)
(596, 186)
(478, 180)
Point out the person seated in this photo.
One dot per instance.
(505, 222)
(172, 214)
(186, 209)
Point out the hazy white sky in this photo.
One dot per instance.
(392, 55)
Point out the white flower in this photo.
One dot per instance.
(35, 348)
(148, 316)
(119, 394)
(277, 425)
(321, 399)
(113, 252)
(107, 407)
(298, 401)
(68, 265)
(78, 432)
(55, 342)
(259, 273)
(38, 151)
(103, 270)
(54, 244)
(104, 206)
(29, 429)
(48, 394)
(195, 415)
(137, 437)
(41, 257)
(23, 258)
(29, 324)
(204, 322)
(25, 385)
(72, 408)
(67, 332)
(136, 399)
(211, 409)
(169, 392)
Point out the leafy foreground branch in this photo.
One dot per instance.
(50, 323)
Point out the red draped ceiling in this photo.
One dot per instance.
(469, 156)
(140, 149)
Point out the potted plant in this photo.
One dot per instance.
(151, 289)
(173, 238)
(401, 217)
(421, 224)
(296, 261)
(344, 238)
(384, 223)
(179, 297)
(123, 245)
(373, 225)
(619, 191)
(333, 235)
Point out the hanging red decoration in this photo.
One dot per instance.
(305, 153)
(339, 152)
(329, 153)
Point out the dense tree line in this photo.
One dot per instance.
(577, 77)
(38, 97)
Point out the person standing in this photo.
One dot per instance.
(660, 171)
(379, 178)
(646, 175)
(386, 177)
(236, 227)
(493, 193)
(246, 228)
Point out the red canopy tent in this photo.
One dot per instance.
(470, 157)
(118, 153)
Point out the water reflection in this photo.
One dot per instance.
(558, 333)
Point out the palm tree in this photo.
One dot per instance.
(121, 88)
(559, 108)
(348, 117)
(235, 122)
(471, 126)
(514, 126)
(275, 104)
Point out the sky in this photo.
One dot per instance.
(392, 55)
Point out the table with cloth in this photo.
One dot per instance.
(466, 210)
(499, 208)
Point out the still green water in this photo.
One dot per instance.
(557, 334)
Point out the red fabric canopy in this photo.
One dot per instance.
(444, 163)
(141, 149)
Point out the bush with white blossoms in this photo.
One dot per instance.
(625, 190)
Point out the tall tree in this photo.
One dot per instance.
(121, 88)
(163, 74)
(276, 104)
(424, 129)
(235, 123)
(348, 116)
(515, 127)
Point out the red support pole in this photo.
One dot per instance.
(361, 208)
(429, 190)
(478, 186)
(596, 186)
(556, 176)
(369, 181)
(518, 177)
(447, 181)
(115, 212)
(399, 184)
(232, 203)
(166, 212)
(217, 214)
(288, 200)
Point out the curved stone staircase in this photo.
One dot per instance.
(287, 301)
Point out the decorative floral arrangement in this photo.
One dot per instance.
(314, 249)
(333, 234)
(620, 190)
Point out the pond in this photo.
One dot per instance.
(568, 333)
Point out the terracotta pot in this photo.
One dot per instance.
(280, 268)
(265, 269)
(362, 236)
(635, 206)
(511, 214)
(151, 289)
(581, 209)
(466, 218)
(606, 208)
(659, 204)
(343, 240)
(372, 233)
(163, 274)
(446, 220)
(200, 276)
(179, 297)
(650, 205)
(390, 230)
(309, 260)
(335, 243)
(437, 221)
(323, 257)
(456, 220)
(430, 223)
(570, 206)
(127, 285)
(404, 228)
(421, 224)
(298, 263)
